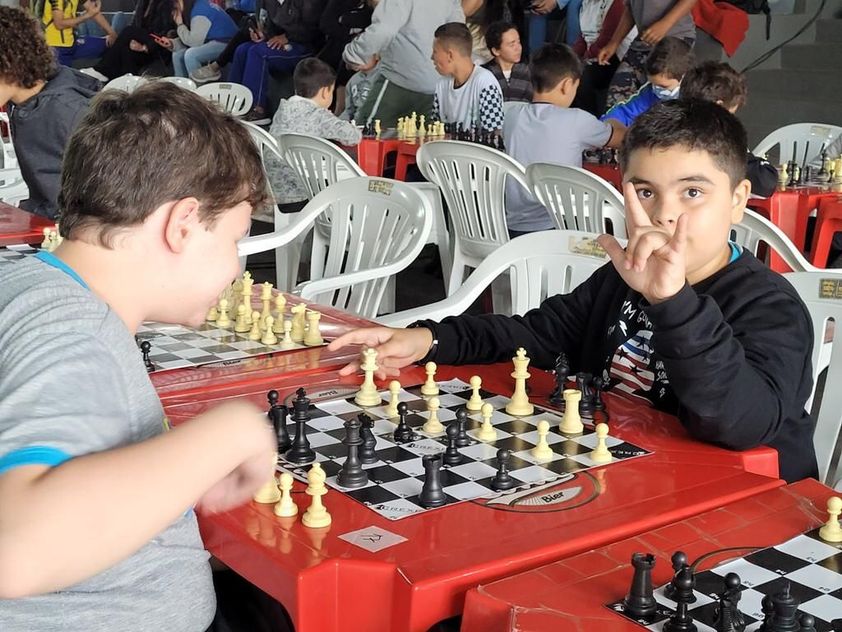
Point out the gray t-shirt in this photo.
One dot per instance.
(647, 12)
(542, 132)
(72, 382)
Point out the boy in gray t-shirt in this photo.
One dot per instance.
(97, 528)
(549, 130)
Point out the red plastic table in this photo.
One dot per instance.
(328, 584)
(609, 173)
(828, 222)
(570, 595)
(19, 227)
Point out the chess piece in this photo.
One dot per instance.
(599, 384)
(286, 507)
(266, 299)
(560, 373)
(300, 451)
(730, 617)
(571, 422)
(682, 621)
(280, 310)
(47, 241)
(394, 399)
(240, 324)
(352, 475)
(807, 623)
(278, 417)
(368, 395)
(316, 515)
(475, 402)
(269, 494)
(213, 314)
(313, 337)
(367, 453)
(287, 342)
(767, 607)
(684, 582)
(145, 349)
(248, 282)
(678, 561)
(786, 608)
(640, 600)
(430, 387)
(377, 128)
(298, 323)
(452, 456)
(403, 432)
(222, 320)
(487, 432)
(519, 404)
(502, 479)
(831, 531)
(600, 453)
(432, 494)
(783, 175)
(433, 425)
(583, 385)
(542, 450)
(462, 438)
(269, 337)
(255, 333)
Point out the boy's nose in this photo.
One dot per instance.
(664, 215)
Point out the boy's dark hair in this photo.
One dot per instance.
(495, 32)
(671, 56)
(694, 125)
(715, 81)
(134, 152)
(551, 63)
(455, 35)
(311, 75)
(25, 58)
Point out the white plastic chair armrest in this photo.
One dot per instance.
(261, 243)
(309, 289)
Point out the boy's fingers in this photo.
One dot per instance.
(369, 336)
(614, 249)
(678, 243)
(636, 217)
(646, 245)
(350, 368)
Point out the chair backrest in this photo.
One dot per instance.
(577, 199)
(126, 83)
(755, 230)
(317, 162)
(8, 159)
(231, 97)
(816, 134)
(472, 179)
(809, 286)
(181, 82)
(263, 140)
(379, 226)
(540, 264)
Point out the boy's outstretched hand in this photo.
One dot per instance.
(396, 348)
(654, 261)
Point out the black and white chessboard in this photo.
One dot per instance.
(812, 566)
(395, 480)
(13, 254)
(177, 347)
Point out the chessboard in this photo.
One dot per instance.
(13, 254)
(396, 478)
(811, 567)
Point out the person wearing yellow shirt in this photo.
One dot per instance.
(60, 20)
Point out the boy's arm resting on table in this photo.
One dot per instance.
(336, 129)
(737, 383)
(385, 24)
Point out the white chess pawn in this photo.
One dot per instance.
(433, 425)
(542, 449)
(430, 387)
(45, 244)
(313, 337)
(475, 403)
(269, 493)
(298, 321)
(286, 507)
(213, 314)
(487, 432)
(280, 311)
(269, 337)
(571, 423)
(316, 515)
(368, 395)
(287, 342)
(255, 332)
(601, 453)
(394, 399)
(831, 531)
(223, 320)
(241, 325)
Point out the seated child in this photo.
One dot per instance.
(466, 93)
(726, 341)
(503, 42)
(549, 130)
(97, 527)
(307, 112)
(203, 33)
(60, 20)
(356, 92)
(718, 82)
(665, 67)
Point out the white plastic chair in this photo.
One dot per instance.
(262, 138)
(378, 227)
(577, 199)
(181, 82)
(801, 133)
(756, 229)
(13, 189)
(541, 264)
(234, 98)
(472, 179)
(8, 158)
(829, 418)
(126, 83)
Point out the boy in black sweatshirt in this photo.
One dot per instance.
(680, 317)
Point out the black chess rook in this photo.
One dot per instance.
(352, 474)
(640, 601)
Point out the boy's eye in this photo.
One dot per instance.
(644, 194)
(694, 193)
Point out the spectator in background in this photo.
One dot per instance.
(540, 11)
(503, 41)
(479, 15)
(60, 21)
(203, 39)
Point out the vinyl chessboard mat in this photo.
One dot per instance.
(812, 566)
(395, 480)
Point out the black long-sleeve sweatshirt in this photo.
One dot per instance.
(730, 356)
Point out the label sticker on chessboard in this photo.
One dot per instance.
(830, 288)
(372, 539)
(586, 246)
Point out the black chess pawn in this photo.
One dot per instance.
(560, 373)
(684, 584)
(807, 622)
(682, 620)
(767, 607)
(352, 475)
(502, 479)
(640, 600)
(367, 454)
(278, 418)
(678, 561)
(403, 432)
(462, 438)
(145, 349)
(452, 456)
(432, 494)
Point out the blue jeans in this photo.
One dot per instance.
(538, 25)
(252, 62)
(82, 48)
(187, 60)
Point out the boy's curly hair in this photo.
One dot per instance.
(25, 58)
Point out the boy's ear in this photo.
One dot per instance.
(180, 221)
(568, 86)
(738, 201)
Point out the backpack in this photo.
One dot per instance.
(755, 7)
